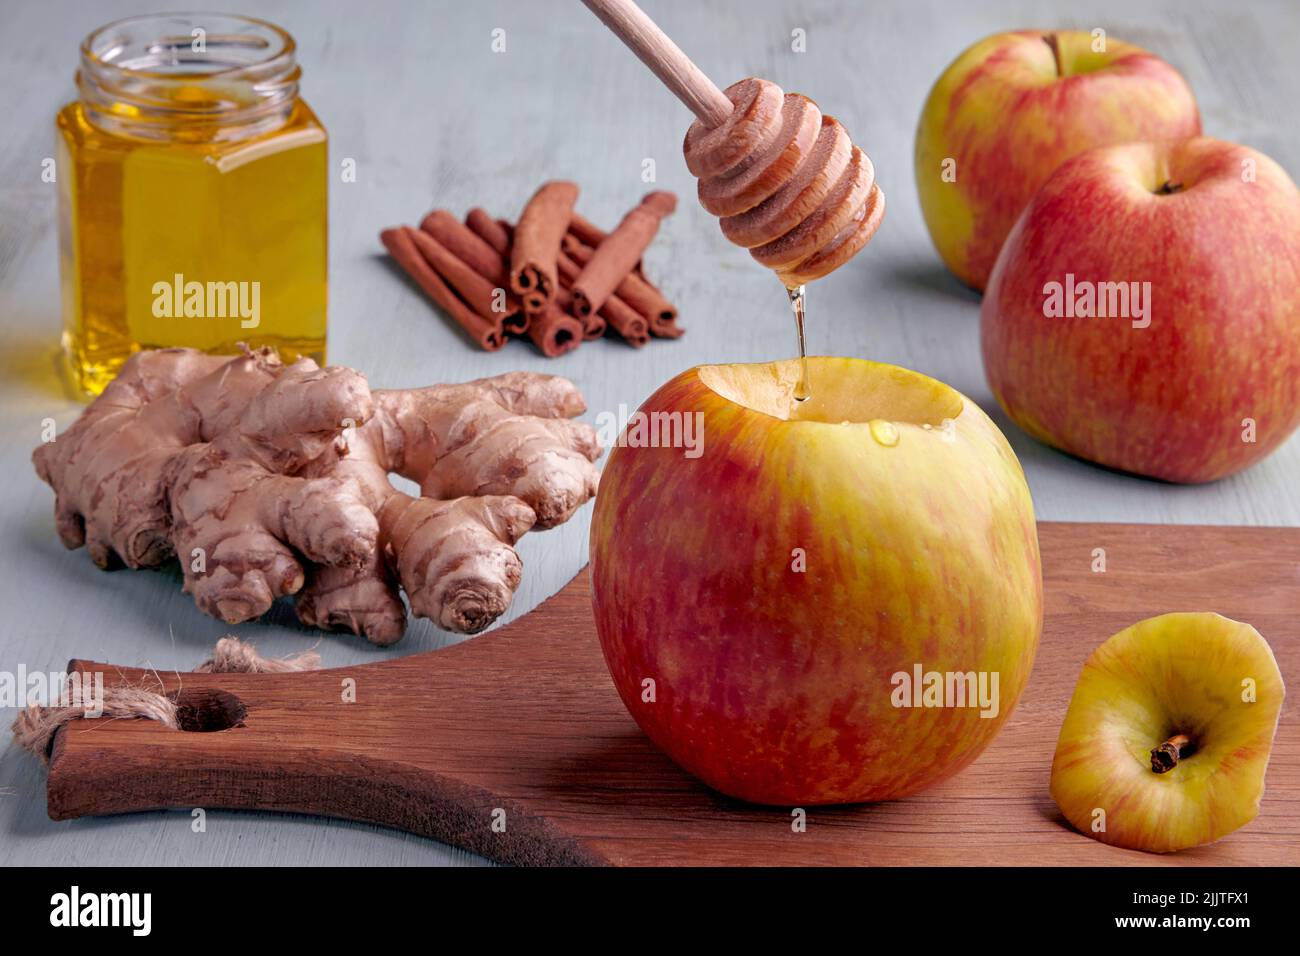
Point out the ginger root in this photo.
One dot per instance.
(267, 480)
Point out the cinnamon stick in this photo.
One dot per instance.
(479, 255)
(401, 247)
(635, 291)
(541, 227)
(586, 231)
(555, 331)
(626, 321)
(594, 324)
(473, 249)
(616, 257)
(489, 301)
(492, 231)
(614, 313)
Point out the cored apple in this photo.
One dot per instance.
(1145, 311)
(1168, 734)
(1011, 109)
(823, 602)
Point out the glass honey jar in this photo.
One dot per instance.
(192, 195)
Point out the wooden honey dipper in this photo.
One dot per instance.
(785, 179)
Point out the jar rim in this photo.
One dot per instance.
(281, 56)
(199, 77)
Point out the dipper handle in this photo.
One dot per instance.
(665, 58)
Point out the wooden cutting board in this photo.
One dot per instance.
(522, 726)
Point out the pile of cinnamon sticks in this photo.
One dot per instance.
(553, 276)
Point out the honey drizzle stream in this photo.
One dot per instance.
(798, 301)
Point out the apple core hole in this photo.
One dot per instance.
(1169, 187)
(843, 390)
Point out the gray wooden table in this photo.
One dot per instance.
(415, 94)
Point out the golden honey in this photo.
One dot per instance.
(192, 195)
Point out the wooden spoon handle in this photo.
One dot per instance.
(664, 57)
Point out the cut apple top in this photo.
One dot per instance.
(843, 390)
(1203, 686)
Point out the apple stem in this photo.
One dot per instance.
(1165, 757)
(1053, 41)
(1169, 188)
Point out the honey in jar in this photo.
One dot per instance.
(192, 195)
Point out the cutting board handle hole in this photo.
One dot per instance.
(203, 710)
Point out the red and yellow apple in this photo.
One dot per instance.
(1168, 734)
(764, 601)
(1145, 311)
(1011, 109)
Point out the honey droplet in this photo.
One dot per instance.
(885, 433)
